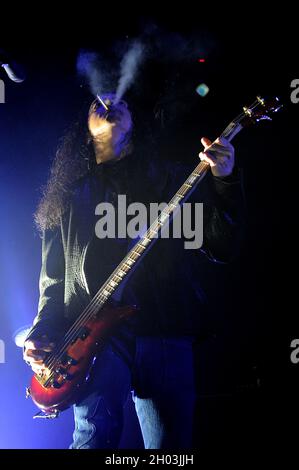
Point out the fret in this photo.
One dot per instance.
(153, 233)
(125, 263)
(140, 247)
(192, 178)
(163, 217)
(135, 252)
(109, 287)
(176, 199)
(137, 246)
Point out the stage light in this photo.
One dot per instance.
(201, 61)
(20, 335)
(202, 89)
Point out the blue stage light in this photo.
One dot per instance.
(20, 335)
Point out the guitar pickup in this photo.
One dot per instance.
(68, 360)
(71, 361)
(83, 333)
(56, 384)
(63, 373)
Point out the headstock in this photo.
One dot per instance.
(261, 109)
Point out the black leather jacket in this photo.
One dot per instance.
(166, 285)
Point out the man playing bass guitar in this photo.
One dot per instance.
(149, 354)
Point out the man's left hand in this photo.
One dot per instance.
(220, 154)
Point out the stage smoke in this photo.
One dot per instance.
(128, 68)
(88, 67)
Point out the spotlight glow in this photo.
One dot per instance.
(202, 89)
(20, 335)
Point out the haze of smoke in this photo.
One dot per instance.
(158, 45)
(128, 68)
(88, 67)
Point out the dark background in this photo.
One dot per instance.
(246, 381)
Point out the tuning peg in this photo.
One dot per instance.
(247, 111)
(261, 100)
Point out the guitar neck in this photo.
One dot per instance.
(147, 239)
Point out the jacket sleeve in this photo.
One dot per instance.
(50, 318)
(223, 216)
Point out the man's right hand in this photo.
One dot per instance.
(36, 352)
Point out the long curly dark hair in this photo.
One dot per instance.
(73, 160)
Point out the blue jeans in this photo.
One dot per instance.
(159, 372)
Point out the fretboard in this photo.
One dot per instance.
(147, 239)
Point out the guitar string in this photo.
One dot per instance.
(154, 228)
(99, 297)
